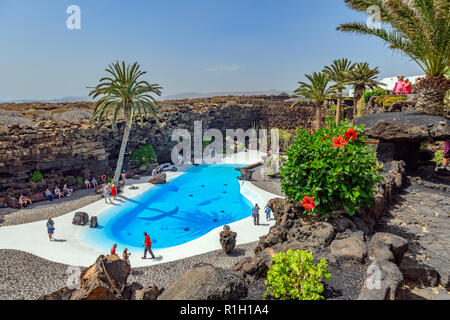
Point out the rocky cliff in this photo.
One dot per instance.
(59, 141)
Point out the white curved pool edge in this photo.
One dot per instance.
(32, 237)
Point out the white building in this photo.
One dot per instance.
(389, 83)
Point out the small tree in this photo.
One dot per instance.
(330, 169)
(337, 72)
(124, 92)
(318, 90)
(294, 276)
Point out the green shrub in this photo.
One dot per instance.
(439, 157)
(109, 180)
(143, 155)
(336, 172)
(374, 93)
(80, 180)
(36, 176)
(387, 101)
(294, 276)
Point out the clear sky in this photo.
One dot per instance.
(185, 45)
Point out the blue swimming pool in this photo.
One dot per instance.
(202, 199)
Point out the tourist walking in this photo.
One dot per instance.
(148, 246)
(268, 211)
(255, 214)
(50, 228)
(113, 191)
(113, 249)
(107, 194)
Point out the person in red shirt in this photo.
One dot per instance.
(408, 87)
(113, 191)
(148, 246)
(113, 249)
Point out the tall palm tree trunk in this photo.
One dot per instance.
(339, 107)
(319, 122)
(432, 91)
(123, 147)
(359, 90)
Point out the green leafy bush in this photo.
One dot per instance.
(332, 171)
(387, 101)
(36, 176)
(374, 93)
(294, 276)
(143, 155)
(80, 180)
(439, 157)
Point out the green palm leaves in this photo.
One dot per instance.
(317, 88)
(418, 28)
(124, 92)
(337, 72)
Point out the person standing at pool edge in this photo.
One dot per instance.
(267, 212)
(148, 246)
(50, 228)
(255, 215)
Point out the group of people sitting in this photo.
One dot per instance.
(49, 195)
(403, 86)
(58, 193)
(90, 183)
(156, 171)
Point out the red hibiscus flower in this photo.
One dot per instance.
(350, 134)
(339, 142)
(308, 203)
(311, 131)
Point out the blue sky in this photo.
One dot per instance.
(185, 45)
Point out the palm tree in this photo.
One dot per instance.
(420, 29)
(362, 76)
(337, 73)
(317, 90)
(123, 92)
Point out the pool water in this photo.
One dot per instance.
(190, 206)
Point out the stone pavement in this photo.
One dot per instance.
(420, 213)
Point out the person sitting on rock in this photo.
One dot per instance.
(48, 194)
(126, 257)
(94, 183)
(58, 193)
(113, 249)
(67, 191)
(23, 201)
(87, 184)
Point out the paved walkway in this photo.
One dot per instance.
(422, 215)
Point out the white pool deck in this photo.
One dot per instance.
(72, 250)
